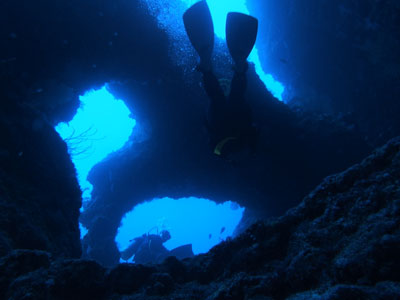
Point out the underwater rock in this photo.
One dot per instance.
(73, 50)
(169, 105)
(47, 76)
(336, 57)
(295, 151)
(341, 242)
(98, 244)
(39, 193)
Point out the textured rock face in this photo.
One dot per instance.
(51, 53)
(39, 193)
(336, 56)
(341, 242)
(54, 50)
(327, 246)
(93, 42)
(175, 160)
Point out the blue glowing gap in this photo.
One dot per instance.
(275, 87)
(83, 230)
(189, 220)
(101, 126)
(219, 10)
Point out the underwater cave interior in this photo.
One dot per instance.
(103, 125)
(114, 179)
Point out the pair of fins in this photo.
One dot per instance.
(241, 32)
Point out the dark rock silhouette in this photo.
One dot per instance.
(39, 193)
(336, 56)
(341, 241)
(175, 159)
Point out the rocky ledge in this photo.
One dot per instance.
(341, 242)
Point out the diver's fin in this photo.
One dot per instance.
(200, 30)
(182, 252)
(241, 34)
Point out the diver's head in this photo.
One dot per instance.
(165, 235)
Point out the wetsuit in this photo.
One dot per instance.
(229, 120)
(147, 249)
(151, 250)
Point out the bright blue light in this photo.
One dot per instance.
(83, 230)
(189, 221)
(275, 87)
(168, 12)
(219, 10)
(101, 126)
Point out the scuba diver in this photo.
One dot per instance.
(229, 119)
(149, 248)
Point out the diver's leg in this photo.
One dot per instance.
(217, 107)
(238, 87)
(216, 113)
(239, 109)
(213, 88)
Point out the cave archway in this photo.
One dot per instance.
(199, 222)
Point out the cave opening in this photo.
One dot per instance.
(198, 222)
(169, 15)
(103, 125)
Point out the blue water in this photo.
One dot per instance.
(102, 125)
(169, 14)
(195, 221)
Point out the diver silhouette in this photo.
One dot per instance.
(229, 119)
(148, 248)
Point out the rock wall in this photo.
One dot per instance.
(62, 49)
(39, 193)
(341, 242)
(53, 51)
(337, 57)
(295, 151)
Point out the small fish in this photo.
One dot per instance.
(222, 230)
(210, 236)
(283, 60)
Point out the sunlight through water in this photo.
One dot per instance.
(195, 221)
(168, 12)
(102, 125)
